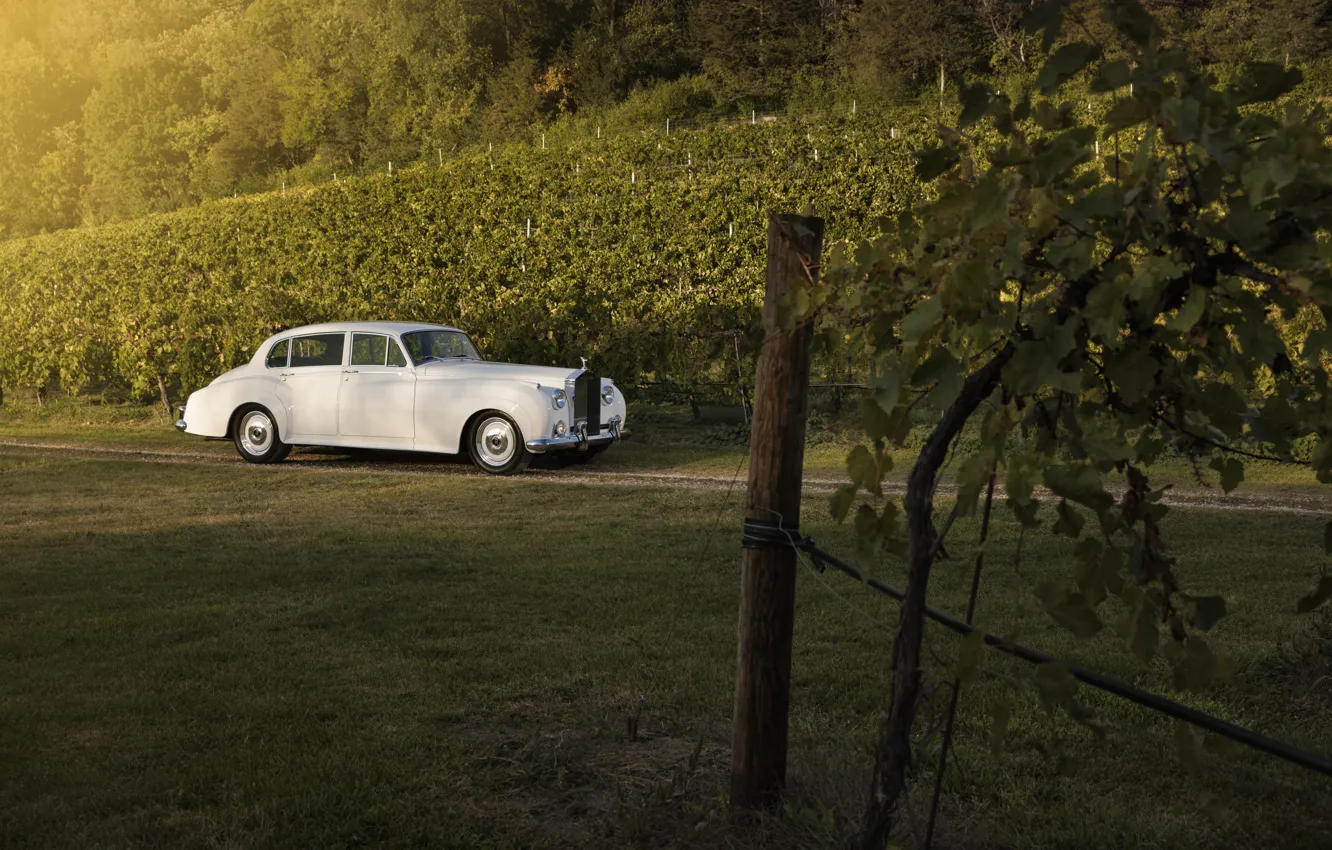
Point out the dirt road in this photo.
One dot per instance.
(1273, 500)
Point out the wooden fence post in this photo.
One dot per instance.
(767, 576)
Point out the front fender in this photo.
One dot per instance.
(445, 406)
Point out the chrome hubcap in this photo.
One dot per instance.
(256, 433)
(496, 441)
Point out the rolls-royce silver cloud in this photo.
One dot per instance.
(403, 386)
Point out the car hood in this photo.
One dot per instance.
(551, 376)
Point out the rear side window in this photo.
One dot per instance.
(277, 355)
(317, 350)
(368, 349)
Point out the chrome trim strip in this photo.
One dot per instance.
(582, 441)
(562, 443)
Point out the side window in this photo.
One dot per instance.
(395, 355)
(277, 355)
(317, 350)
(368, 349)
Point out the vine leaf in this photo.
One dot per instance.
(1231, 469)
(1138, 626)
(1056, 686)
(842, 500)
(1068, 522)
(1204, 611)
(863, 469)
(1194, 666)
(1318, 596)
(1080, 483)
(1070, 609)
(933, 161)
(969, 656)
(975, 103)
(1064, 63)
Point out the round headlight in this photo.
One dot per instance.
(559, 399)
(607, 395)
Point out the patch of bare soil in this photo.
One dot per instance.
(566, 778)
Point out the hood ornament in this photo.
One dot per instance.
(584, 359)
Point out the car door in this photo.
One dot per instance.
(378, 390)
(310, 384)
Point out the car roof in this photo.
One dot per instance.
(379, 327)
(397, 328)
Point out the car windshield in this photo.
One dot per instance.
(440, 345)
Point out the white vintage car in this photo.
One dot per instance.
(403, 385)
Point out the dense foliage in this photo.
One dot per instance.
(645, 253)
(1085, 294)
(113, 109)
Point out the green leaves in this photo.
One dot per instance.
(975, 103)
(921, 321)
(1046, 18)
(1203, 612)
(1191, 311)
(1138, 625)
(1069, 609)
(864, 469)
(1320, 594)
(933, 161)
(842, 500)
(644, 278)
(1064, 63)
(1079, 483)
(1194, 666)
(1261, 82)
(1056, 686)
(1231, 470)
(881, 530)
(969, 655)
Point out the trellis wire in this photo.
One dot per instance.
(762, 533)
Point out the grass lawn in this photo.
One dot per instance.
(665, 438)
(206, 654)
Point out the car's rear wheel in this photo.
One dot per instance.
(496, 444)
(256, 436)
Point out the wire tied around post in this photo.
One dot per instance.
(761, 533)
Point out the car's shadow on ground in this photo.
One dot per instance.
(332, 456)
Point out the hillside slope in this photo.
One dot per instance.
(642, 253)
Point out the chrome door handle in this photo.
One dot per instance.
(350, 371)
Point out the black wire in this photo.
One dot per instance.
(759, 533)
(957, 683)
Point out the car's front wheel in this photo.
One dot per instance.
(496, 444)
(256, 436)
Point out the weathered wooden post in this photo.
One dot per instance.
(767, 577)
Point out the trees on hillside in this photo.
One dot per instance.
(753, 47)
(112, 108)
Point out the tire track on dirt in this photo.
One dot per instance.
(389, 463)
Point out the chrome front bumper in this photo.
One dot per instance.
(580, 440)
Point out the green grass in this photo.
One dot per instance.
(665, 438)
(196, 654)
